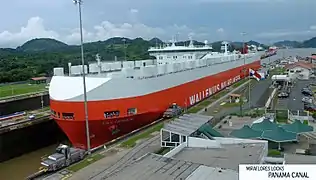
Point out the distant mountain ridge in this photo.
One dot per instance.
(310, 43)
(38, 57)
(51, 45)
(42, 44)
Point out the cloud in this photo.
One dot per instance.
(134, 10)
(313, 27)
(220, 30)
(35, 29)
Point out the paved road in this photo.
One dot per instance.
(259, 95)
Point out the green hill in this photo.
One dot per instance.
(39, 56)
(310, 43)
(42, 44)
(287, 43)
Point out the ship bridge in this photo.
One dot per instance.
(167, 53)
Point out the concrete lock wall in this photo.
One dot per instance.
(20, 141)
(27, 104)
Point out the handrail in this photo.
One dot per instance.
(22, 96)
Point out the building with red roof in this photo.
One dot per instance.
(38, 80)
(299, 70)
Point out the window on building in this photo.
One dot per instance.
(132, 111)
(184, 139)
(111, 114)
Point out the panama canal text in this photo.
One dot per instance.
(276, 172)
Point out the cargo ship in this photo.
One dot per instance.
(125, 95)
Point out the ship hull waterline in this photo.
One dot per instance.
(150, 107)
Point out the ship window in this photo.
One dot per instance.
(59, 115)
(132, 111)
(68, 115)
(110, 114)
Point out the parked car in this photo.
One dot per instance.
(283, 95)
(307, 92)
(173, 111)
(307, 100)
(312, 84)
(310, 107)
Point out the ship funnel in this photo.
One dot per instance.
(69, 68)
(244, 49)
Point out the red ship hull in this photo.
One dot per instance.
(150, 107)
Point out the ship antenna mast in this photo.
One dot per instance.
(69, 68)
(98, 59)
(173, 41)
(225, 43)
(191, 41)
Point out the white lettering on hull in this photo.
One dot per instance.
(212, 90)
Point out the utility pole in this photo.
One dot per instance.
(245, 70)
(42, 100)
(79, 3)
(124, 40)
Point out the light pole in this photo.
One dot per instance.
(79, 2)
(244, 51)
(124, 40)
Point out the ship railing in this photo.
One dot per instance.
(188, 69)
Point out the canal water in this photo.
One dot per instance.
(20, 167)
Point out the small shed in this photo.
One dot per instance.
(38, 80)
(234, 98)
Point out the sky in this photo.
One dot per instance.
(265, 21)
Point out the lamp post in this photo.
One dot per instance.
(79, 2)
(124, 40)
(245, 71)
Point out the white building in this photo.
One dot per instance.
(299, 70)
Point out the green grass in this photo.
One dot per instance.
(87, 161)
(19, 89)
(131, 142)
(277, 71)
(274, 153)
(200, 106)
(205, 103)
(239, 83)
(230, 104)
